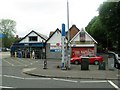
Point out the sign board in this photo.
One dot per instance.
(55, 47)
(77, 52)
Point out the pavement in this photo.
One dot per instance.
(75, 72)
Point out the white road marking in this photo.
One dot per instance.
(28, 69)
(6, 87)
(118, 75)
(25, 61)
(65, 80)
(9, 63)
(18, 62)
(13, 77)
(38, 78)
(115, 86)
(26, 78)
(100, 81)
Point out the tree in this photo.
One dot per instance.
(98, 31)
(7, 28)
(105, 27)
(109, 13)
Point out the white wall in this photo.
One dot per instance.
(87, 38)
(56, 38)
(26, 40)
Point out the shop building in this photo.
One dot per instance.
(83, 44)
(32, 41)
(53, 45)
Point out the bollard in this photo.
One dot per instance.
(63, 67)
(45, 64)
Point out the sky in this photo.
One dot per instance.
(44, 16)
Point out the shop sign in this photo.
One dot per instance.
(55, 47)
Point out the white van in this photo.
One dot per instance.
(116, 59)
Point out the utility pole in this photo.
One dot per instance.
(68, 44)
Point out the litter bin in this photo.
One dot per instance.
(85, 63)
(102, 66)
(111, 63)
(45, 64)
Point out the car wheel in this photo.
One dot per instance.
(96, 62)
(76, 62)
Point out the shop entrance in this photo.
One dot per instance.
(39, 52)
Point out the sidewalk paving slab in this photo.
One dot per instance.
(74, 73)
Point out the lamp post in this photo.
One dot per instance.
(68, 44)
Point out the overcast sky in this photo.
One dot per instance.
(44, 16)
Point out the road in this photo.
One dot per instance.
(12, 77)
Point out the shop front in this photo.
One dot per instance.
(32, 42)
(83, 44)
(24, 50)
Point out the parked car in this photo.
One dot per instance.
(116, 58)
(92, 60)
(4, 49)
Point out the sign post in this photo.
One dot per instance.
(63, 47)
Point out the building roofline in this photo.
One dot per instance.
(53, 34)
(30, 33)
(86, 33)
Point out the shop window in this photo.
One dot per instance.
(33, 38)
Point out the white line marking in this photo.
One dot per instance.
(28, 69)
(117, 75)
(26, 78)
(101, 81)
(9, 62)
(17, 62)
(65, 80)
(38, 78)
(13, 77)
(6, 87)
(115, 86)
(25, 61)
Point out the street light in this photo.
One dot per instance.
(68, 45)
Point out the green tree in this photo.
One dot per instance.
(98, 31)
(105, 27)
(7, 28)
(109, 13)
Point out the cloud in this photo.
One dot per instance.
(47, 15)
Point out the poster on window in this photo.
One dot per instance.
(77, 52)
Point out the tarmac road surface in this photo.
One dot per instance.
(13, 77)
